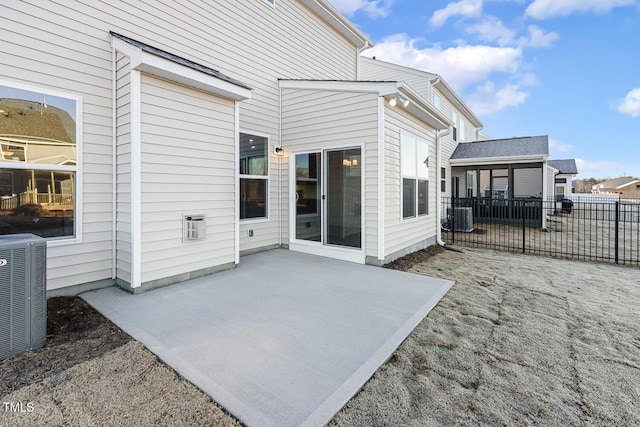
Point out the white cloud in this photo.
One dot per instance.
(371, 8)
(598, 168)
(487, 99)
(491, 29)
(459, 8)
(459, 65)
(544, 9)
(631, 103)
(538, 38)
(556, 146)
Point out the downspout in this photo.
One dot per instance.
(280, 167)
(114, 183)
(439, 135)
(433, 83)
(364, 47)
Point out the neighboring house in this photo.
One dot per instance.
(625, 187)
(566, 171)
(204, 131)
(504, 169)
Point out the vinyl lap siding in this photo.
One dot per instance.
(65, 46)
(371, 69)
(399, 233)
(188, 167)
(313, 120)
(43, 50)
(420, 82)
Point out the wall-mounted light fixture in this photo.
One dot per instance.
(394, 101)
(278, 151)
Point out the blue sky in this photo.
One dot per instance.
(569, 69)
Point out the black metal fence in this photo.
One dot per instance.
(607, 231)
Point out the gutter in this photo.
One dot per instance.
(439, 135)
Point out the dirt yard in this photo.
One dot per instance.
(519, 340)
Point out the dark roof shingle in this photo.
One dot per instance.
(499, 148)
(179, 60)
(564, 166)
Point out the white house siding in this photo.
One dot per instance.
(313, 120)
(551, 183)
(404, 236)
(188, 167)
(420, 82)
(371, 69)
(567, 189)
(48, 50)
(123, 169)
(65, 46)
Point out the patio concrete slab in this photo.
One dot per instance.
(285, 339)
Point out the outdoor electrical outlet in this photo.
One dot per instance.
(250, 233)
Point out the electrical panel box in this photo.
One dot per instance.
(23, 293)
(194, 227)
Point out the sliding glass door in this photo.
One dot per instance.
(328, 198)
(308, 197)
(343, 191)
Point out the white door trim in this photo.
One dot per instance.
(320, 248)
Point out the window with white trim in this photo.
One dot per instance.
(436, 102)
(462, 133)
(254, 176)
(443, 180)
(40, 142)
(415, 176)
(454, 119)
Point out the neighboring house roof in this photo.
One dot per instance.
(37, 122)
(325, 10)
(530, 148)
(179, 60)
(35, 133)
(564, 166)
(615, 183)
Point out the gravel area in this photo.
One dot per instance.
(519, 340)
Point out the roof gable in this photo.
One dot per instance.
(564, 166)
(325, 10)
(616, 182)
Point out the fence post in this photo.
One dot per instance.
(454, 202)
(524, 217)
(617, 225)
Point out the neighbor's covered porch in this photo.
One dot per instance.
(501, 180)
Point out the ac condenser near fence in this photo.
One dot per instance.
(23, 301)
(462, 218)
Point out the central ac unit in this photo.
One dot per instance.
(23, 301)
(463, 219)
